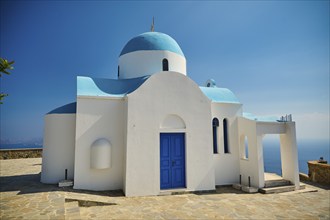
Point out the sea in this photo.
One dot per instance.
(19, 146)
(307, 150)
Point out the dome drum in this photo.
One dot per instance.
(150, 53)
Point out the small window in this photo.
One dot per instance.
(215, 125)
(118, 71)
(246, 148)
(225, 136)
(165, 65)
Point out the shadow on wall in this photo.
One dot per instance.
(30, 183)
(223, 189)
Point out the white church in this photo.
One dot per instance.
(154, 130)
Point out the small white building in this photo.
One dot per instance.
(155, 129)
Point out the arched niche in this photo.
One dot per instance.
(173, 122)
(100, 154)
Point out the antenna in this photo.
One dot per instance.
(153, 25)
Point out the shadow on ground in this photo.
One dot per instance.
(30, 183)
(318, 185)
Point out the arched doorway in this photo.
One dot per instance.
(172, 153)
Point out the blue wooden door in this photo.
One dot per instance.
(172, 160)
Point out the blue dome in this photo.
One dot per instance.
(152, 41)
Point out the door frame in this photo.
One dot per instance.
(185, 157)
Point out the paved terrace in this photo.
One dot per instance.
(22, 196)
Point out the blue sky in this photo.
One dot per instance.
(274, 55)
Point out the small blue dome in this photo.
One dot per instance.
(152, 41)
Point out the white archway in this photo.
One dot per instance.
(172, 121)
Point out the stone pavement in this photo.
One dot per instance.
(22, 196)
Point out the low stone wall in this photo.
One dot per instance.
(319, 172)
(20, 153)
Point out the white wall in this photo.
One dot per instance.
(99, 118)
(163, 94)
(58, 147)
(148, 62)
(289, 154)
(254, 165)
(254, 162)
(226, 165)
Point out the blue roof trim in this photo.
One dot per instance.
(65, 109)
(221, 95)
(260, 118)
(152, 41)
(87, 86)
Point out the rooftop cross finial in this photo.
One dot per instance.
(153, 25)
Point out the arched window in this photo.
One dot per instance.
(215, 125)
(165, 65)
(225, 135)
(118, 70)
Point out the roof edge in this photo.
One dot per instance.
(70, 108)
(220, 95)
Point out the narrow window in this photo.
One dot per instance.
(246, 148)
(215, 125)
(225, 136)
(165, 65)
(118, 71)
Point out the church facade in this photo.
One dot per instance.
(154, 129)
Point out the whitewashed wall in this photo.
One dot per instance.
(226, 165)
(254, 165)
(99, 118)
(142, 63)
(58, 147)
(163, 94)
(289, 154)
(250, 166)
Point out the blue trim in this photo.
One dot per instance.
(221, 95)
(152, 41)
(65, 109)
(215, 125)
(225, 135)
(87, 86)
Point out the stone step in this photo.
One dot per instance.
(71, 210)
(278, 189)
(276, 183)
(302, 186)
(167, 192)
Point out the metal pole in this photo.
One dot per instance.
(240, 179)
(249, 181)
(66, 174)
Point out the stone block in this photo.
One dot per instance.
(64, 183)
(237, 186)
(249, 189)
